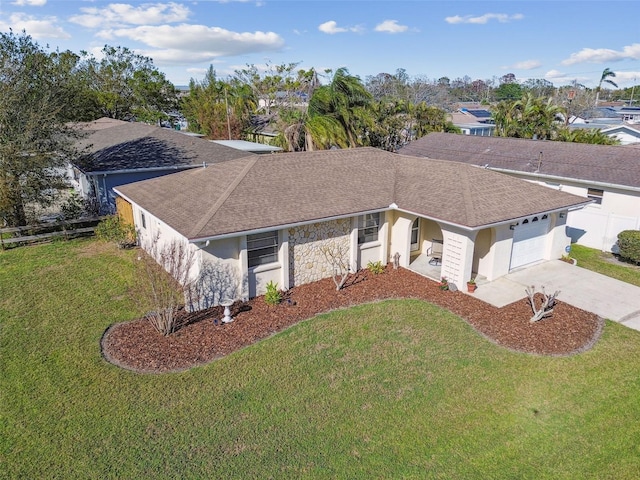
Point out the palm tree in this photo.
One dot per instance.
(338, 112)
(529, 117)
(605, 78)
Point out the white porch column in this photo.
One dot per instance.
(457, 255)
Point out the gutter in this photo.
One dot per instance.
(556, 177)
(578, 206)
(392, 207)
(140, 170)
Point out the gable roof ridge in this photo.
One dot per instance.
(225, 195)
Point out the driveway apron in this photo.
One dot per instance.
(590, 291)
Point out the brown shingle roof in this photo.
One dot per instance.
(117, 145)
(266, 192)
(596, 163)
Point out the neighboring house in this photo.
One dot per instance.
(608, 175)
(626, 134)
(263, 129)
(279, 217)
(121, 152)
(629, 114)
(473, 121)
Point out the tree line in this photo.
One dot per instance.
(43, 93)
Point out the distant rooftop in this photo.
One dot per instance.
(246, 146)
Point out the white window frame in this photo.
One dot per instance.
(415, 229)
(267, 243)
(368, 228)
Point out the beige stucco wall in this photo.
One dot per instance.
(221, 276)
(499, 257)
(558, 243)
(482, 253)
(307, 244)
(400, 228)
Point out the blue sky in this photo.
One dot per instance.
(559, 41)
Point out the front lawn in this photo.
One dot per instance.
(396, 389)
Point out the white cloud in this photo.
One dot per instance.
(391, 26)
(125, 14)
(29, 3)
(601, 55)
(527, 65)
(185, 43)
(483, 19)
(562, 78)
(40, 28)
(331, 27)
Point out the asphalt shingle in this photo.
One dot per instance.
(269, 191)
(612, 164)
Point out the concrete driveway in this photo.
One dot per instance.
(590, 291)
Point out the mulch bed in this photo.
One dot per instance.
(202, 338)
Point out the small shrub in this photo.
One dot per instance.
(444, 284)
(375, 267)
(629, 245)
(566, 259)
(273, 295)
(73, 207)
(114, 229)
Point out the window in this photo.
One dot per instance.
(262, 248)
(595, 194)
(368, 226)
(415, 234)
(143, 220)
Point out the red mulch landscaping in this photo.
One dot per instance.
(202, 338)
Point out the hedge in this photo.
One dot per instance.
(629, 245)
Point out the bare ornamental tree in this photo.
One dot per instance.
(166, 279)
(338, 258)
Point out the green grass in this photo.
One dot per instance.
(397, 389)
(606, 264)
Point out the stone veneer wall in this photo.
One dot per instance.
(307, 263)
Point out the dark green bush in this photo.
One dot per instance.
(629, 245)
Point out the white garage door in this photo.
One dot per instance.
(529, 241)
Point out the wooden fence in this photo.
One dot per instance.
(48, 231)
